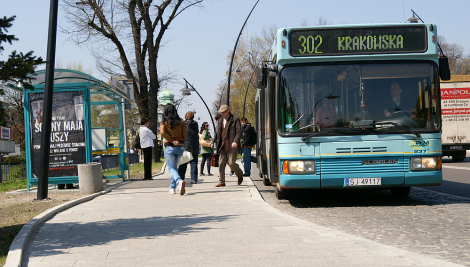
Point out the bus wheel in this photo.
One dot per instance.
(282, 194)
(266, 180)
(400, 191)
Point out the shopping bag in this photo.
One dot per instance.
(185, 158)
(214, 160)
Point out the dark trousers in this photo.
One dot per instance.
(147, 163)
(193, 163)
(206, 158)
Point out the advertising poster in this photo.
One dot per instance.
(67, 133)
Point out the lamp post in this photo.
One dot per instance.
(186, 91)
(43, 178)
(233, 54)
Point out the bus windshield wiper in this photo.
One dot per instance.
(394, 124)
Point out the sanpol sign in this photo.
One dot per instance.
(358, 40)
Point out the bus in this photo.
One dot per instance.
(351, 106)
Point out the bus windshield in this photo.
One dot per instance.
(364, 98)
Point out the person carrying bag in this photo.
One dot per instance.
(205, 140)
(173, 129)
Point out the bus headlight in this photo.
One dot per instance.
(298, 167)
(424, 163)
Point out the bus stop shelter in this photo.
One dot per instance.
(73, 140)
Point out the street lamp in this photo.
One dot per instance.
(233, 54)
(186, 91)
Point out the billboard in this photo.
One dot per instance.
(67, 147)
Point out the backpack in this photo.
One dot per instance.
(253, 137)
(137, 142)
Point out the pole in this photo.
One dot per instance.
(208, 110)
(125, 142)
(233, 54)
(47, 115)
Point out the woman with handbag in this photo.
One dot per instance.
(173, 129)
(205, 141)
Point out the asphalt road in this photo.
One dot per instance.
(427, 222)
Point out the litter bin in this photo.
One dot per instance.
(90, 178)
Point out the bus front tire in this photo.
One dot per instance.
(282, 194)
(400, 191)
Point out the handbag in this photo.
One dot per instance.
(185, 158)
(205, 142)
(214, 160)
(137, 142)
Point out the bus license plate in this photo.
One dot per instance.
(363, 181)
(455, 147)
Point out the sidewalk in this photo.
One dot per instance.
(140, 224)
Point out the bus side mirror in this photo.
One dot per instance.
(261, 76)
(444, 70)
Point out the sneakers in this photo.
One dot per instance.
(172, 191)
(232, 173)
(246, 174)
(181, 186)
(220, 185)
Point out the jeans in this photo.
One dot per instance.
(172, 154)
(247, 160)
(193, 163)
(206, 158)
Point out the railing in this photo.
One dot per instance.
(12, 171)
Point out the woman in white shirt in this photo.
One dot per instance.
(146, 143)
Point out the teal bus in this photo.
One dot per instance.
(351, 106)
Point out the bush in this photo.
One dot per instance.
(15, 159)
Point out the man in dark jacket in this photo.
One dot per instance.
(249, 141)
(191, 144)
(229, 134)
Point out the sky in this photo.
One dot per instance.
(199, 40)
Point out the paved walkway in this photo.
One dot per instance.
(140, 224)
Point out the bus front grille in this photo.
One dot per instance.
(362, 165)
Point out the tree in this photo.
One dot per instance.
(250, 52)
(458, 62)
(125, 36)
(20, 66)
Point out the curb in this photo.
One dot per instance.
(161, 172)
(15, 253)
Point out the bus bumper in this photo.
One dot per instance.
(340, 180)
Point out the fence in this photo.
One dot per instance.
(12, 171)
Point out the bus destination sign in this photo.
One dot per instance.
(360, 40)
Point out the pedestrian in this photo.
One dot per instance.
(158, 156)
(173, 129)
(191, 144)
(229, 133)
(249, 141)
(205, 151)
(217, 117)
(146, 143)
